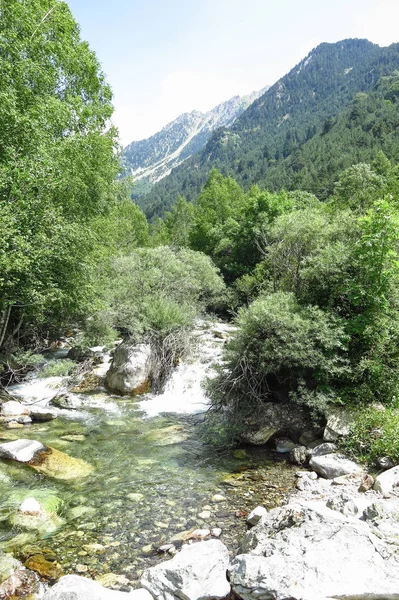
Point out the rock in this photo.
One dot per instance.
(333, 465)
(66, 401)
(73, 587)
(80, 353)
(339, 422)
(94, 549)
(198, 572)
(205, 514)
(218, 498)
(306, 475)
(216, 532)
(14, 425)
(165, 548)
(21, 583)
(323, 449)
(135, 497)
(40, 414)
(46, 460)
(8, 565)
(343, 504)
(273, 419)
(384, 462)
(21, 450)
(91, 383)
(31, 516)
(284, 446)
(130, 369)
(367, 483)
(387, 481)
(199, 534)
(300, 455)
(46, 569)
(255, 515)
(309, 436)
(113, 581)
(13, 409)
(310, 552)
(30, 506)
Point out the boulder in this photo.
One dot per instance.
(130, 370)
(334, 465)
(65, 400)
(198, 572)
(300, 455)
(74, 587)
(14, 409)
(323, 449)
(38, 413)
(255, 515)
(339, 422)
(306, 551)
(31, 516)
(274, 419)
(46, 460)
(21, 450)
(387, 481)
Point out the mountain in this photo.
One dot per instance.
(152, 159)
(303, 103)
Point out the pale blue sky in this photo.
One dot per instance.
(163, 58)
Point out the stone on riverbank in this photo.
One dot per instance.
(130, 370)
(339, 422)
(198, 572)
(74, 587)
(37, 413)
(275, 418)
(307, 551)
(333, 465)
(66, 401)
(14, 409)
(255, 515)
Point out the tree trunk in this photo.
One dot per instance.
(4, 319)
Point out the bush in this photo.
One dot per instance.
(375, 434)
(281, 351)
(57, 368)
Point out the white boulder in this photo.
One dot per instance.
(198, 572)
(387, 481)
(14, 409)
(21, 450)
(74, 587)
(334, 465)
(130, 369)
(255, 515)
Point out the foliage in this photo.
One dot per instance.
(322, 117)
(57, 368)
(279, 345)
(58, 166)
(374, 434)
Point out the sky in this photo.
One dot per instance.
(166, 57)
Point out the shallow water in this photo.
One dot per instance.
(152, 479)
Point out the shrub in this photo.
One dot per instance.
(57, 368)
(375, 434)
(280, 351)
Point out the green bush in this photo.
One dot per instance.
(375, 434)
(57, 368)
(281, 351)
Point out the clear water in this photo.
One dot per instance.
(152, 479)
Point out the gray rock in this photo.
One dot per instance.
(309, 436)
(198, 572)
(255, 515)
(387, 481)
(333, 465)
(300, 455)
(20, 450)
(384, 462)
(309, 552)
(284, 446)
(343, 504)
(274, 418)
(66, 401)
(40, 414)
(323, 449)
(130, 368)
(74, 587)
(339, 422)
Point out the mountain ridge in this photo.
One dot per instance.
(153, 158)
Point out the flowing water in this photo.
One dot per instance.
(153, 481)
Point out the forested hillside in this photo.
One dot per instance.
(304, 103)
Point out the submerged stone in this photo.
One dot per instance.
(46, 460)
(46, 569)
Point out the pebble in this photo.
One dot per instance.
(82, 568)
(205, 514)
(218, 498)
(216, 532)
